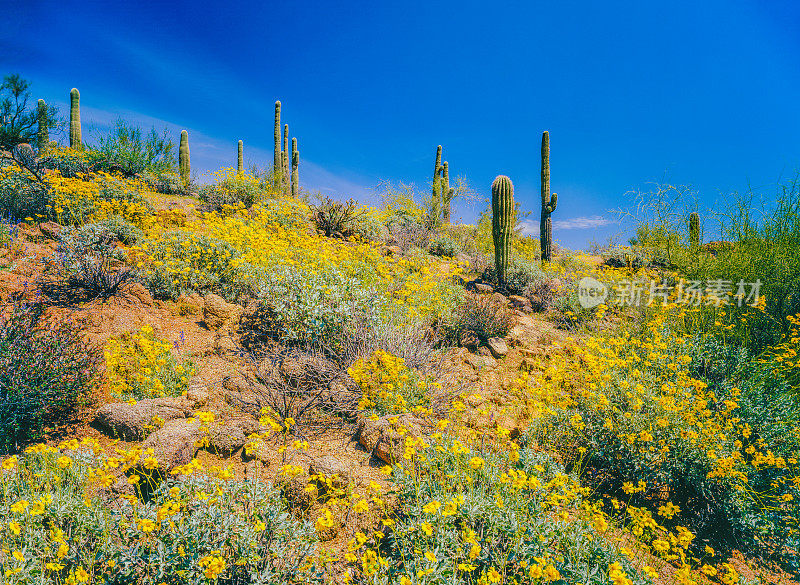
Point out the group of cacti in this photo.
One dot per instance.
(286, 177)
(504, 215)
(443, 193)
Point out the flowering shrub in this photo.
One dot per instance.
(46, 371)
(140, 365)
(388, 386)
(208, 528)
(232, 189)
(21, 195)
(444, 246)
(643, 407)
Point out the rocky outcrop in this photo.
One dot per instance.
(217, 312)
(498, 347)
(134, 422)
(174, 444)
(383, 438)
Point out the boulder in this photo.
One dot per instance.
(480, 362)
(469, 340)
(218, 312)
(140, 293)
(498, 346)
(332, 468)
(225, 440)
(134, 422)
(382, 436)
(483, 288)
(294, 490)
(521, 303)
(50, 229)
(174, 444)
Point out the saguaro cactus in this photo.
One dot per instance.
(502, 224)
(694, 230)
(183, 158)
(43, 135)
(295, 169)
(240, 158)
(277, 166)
(286, 173)
(75, 119)
(548, 203)
(437, 170)
(447, 192)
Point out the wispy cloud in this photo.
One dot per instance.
(530, 227)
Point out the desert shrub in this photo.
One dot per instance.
(183, 262)
(305, 306)
(334, 217)
(140, 365)
(46, 371)
(389, 386)
(520, 275)
(231, 189)
(91, 262)
(702, 427)
(368, 226)
(479, 516)
(444, 246)
(483, 316)
(69, 162)
(635, 257)
(168, 183)
(125, 150)
(123, 230)
(179, 535)
(21, 194)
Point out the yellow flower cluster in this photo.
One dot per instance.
(387, 385)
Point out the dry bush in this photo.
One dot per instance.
(482, 316)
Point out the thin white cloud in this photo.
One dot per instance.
(530, 227)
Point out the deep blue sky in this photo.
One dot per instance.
(706, 92)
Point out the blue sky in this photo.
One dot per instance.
(704, 93)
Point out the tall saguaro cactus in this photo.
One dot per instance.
(437, 170)
(183, 158)
(287, 173)
(295, 169)
(278, 161)
(502, 224)
(43, 134)
(240, 158)
(548, 203)
(75, 119)
(447, 192)
(694, 230)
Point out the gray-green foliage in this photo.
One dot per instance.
(520, 274)
(444, 245)
(22, 118)
(22, 195)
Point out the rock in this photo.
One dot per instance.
(498, 346)
(140, 293)
(129, 422)
(483, 288)
(521, 303)
(483, 350)
(218, 312)
(226, 440)
(294, 490)
(173, 445)
(224, 344)
(469, 340)
(480, 362)
(247, 424)
(197, 394)
(391, 250)
(50, 229)
(382, 438)
(331, 468)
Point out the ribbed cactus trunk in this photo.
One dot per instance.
(184, 163)
(277, 165)
(502, 224)
(694, 230)
(447, 192)
(240, 158)
(287, 173)
(548, 203)
(75, 119)
(295, 169)
(43, 135)
(437, 170)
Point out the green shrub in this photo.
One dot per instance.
(21, 194)
(520, 275)
(244, 534)
(444, 246)
(368, 227)
(46, 371)
(125, 151)
(123, 230)
(483, 316)
(234, 189)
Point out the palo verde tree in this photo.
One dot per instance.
(20, 115)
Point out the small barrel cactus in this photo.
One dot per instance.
(278, 160)
(502, 224)
(240, 158)
(694, 230)
(295, 169)
(184, 162)
(75, 119)
(548, 203)
(43, 135)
